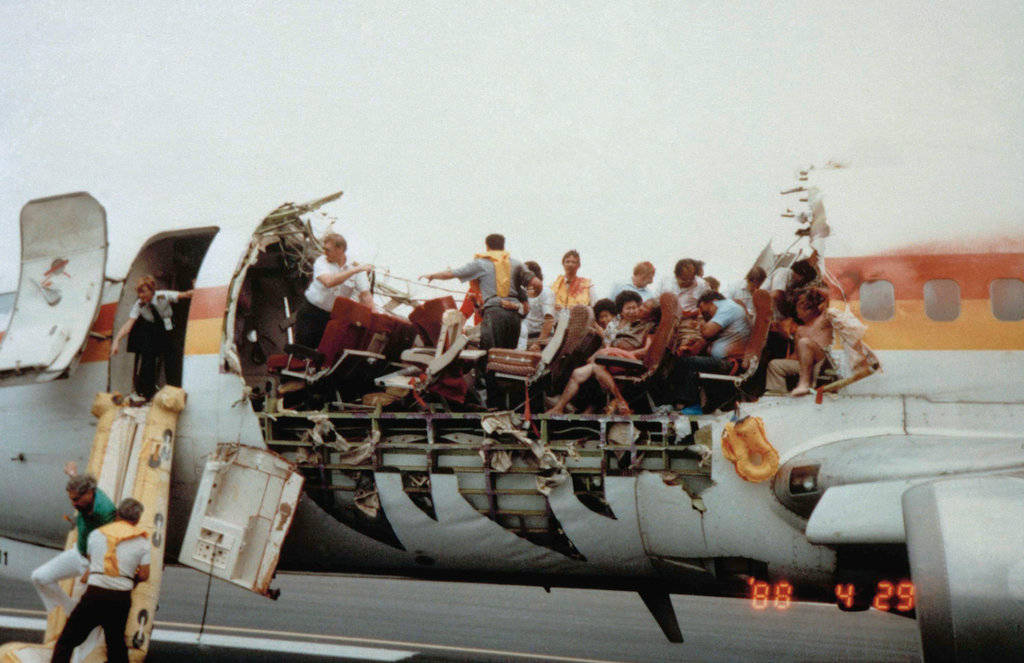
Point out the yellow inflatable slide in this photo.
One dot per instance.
(131, 457)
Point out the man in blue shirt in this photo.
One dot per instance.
(727, 329)
(94, 510)
(643, 276)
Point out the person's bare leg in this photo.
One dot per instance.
(579, 376)
(605, 379)
(808, 353)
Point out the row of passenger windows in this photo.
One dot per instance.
(942, 300)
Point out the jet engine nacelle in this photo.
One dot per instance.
(964, 541)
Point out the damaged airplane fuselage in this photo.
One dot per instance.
(646, 501)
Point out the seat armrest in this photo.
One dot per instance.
(619, 362)
(304, 352)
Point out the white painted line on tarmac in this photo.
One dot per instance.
(320, 641)
(23, 622)
(287, 646)
(244, 642)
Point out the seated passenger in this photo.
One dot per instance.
(643, 276)
(812, 337)
(632, 340)
(570, 289)
(333, 277)
(686, 286)
(726, 327)
(783, 285)
(540, 317)
(742, 292)
(604, 319)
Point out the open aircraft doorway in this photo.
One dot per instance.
(173, 259)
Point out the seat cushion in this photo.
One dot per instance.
(620, 365)
(516, 362)
(519, 370)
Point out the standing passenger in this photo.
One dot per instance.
(148, 329)
(498, 277)
(541, 317)
(118, 558)
(333, 277)
(570, 289)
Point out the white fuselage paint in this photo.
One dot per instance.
(743, 519)
(44, 425)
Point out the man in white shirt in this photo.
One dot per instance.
(686, 286)
(118, 558)
(333, 277)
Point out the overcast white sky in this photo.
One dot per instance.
(628, 131)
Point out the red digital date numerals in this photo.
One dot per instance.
(888, 596)
(763, 594)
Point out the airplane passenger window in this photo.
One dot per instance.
(942, 300)
(877, 300)
(1007, 298)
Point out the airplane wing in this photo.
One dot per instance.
(965, 541)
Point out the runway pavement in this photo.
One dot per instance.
(320, 618)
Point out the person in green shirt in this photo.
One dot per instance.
(94, 510)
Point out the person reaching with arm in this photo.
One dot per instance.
(333, 277)
(94, 509)
(119, 557)
(148, 329)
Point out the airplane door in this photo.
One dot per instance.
(63, 259)
(243, 510)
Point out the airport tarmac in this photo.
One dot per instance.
(347, 618)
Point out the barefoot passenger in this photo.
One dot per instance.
(632, 340)
(811, 339)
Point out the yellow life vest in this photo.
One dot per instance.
(116, 532)
(502, 270)
(566, 295)
(744, 439)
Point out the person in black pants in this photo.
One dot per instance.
(148, 329)
(108, 594)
